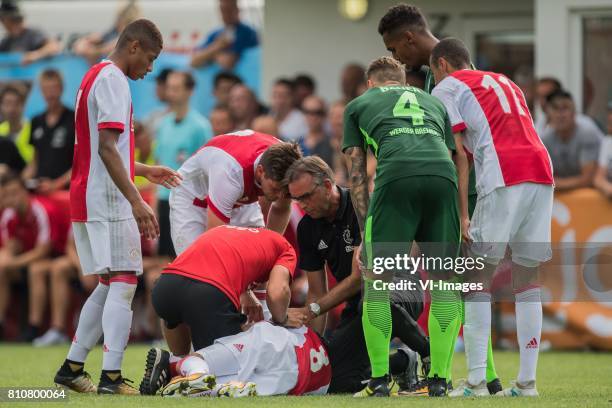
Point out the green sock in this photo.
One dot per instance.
(491, 373)
(444, 324)
(376, 319)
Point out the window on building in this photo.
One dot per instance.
(597, 87)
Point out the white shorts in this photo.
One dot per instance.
(518, 216)
(265, 355)
(188, 221)
(108, 246)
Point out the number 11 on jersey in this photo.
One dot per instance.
(489, 82)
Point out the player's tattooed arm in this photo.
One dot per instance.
(358, 177)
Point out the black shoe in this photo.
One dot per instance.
(437, 387)
(78, 381)
(117, 386)
(28, 335)
(425, 366)
(494, 386)
(157, 371)
(377, 387)
(408, 380)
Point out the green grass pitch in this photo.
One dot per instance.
(564, 380)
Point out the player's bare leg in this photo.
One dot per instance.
(60, 272)
(38, 291)
(178, 339)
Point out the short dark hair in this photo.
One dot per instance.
(51, 74)
(402, 16)
(226, 76)
(145, 32)
(10, 10)
(305, 80)
(278, 158)
(453, 51)
(15, 90)
(551, 80)
(162, 77)
(558, 94)
(188, 79)
(313, 165)
(386, 69)
(285, 82)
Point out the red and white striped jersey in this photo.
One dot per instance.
(41, 224)
(498, 129)
(103, 102)
(314, 368)
(221, 175)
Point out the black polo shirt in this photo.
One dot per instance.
(322, 241)
(54, 145)
(10, 156)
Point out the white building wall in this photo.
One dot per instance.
(559, 40)
(311, 36)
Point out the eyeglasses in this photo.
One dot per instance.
(314, 112)
(306, 196)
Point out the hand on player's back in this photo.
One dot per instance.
(145, 218)
(164, 176)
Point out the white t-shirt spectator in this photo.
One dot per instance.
(294, 127)
(605, 156)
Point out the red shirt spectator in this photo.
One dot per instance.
(39, 224)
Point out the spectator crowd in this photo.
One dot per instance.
(39, 270)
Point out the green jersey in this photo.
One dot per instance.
(407, 129)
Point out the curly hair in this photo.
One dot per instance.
(401, 16)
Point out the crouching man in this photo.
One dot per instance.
(201, 294)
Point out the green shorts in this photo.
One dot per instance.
(472, 198)
(417, 208)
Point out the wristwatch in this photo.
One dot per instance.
(315, 309)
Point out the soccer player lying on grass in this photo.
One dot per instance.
(267, 359)
(201, 294)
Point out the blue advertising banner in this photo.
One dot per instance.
(143, 92)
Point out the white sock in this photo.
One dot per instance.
(476, 331)
(89, 329)
(116, 323)
(192, 365)
(528, 332)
